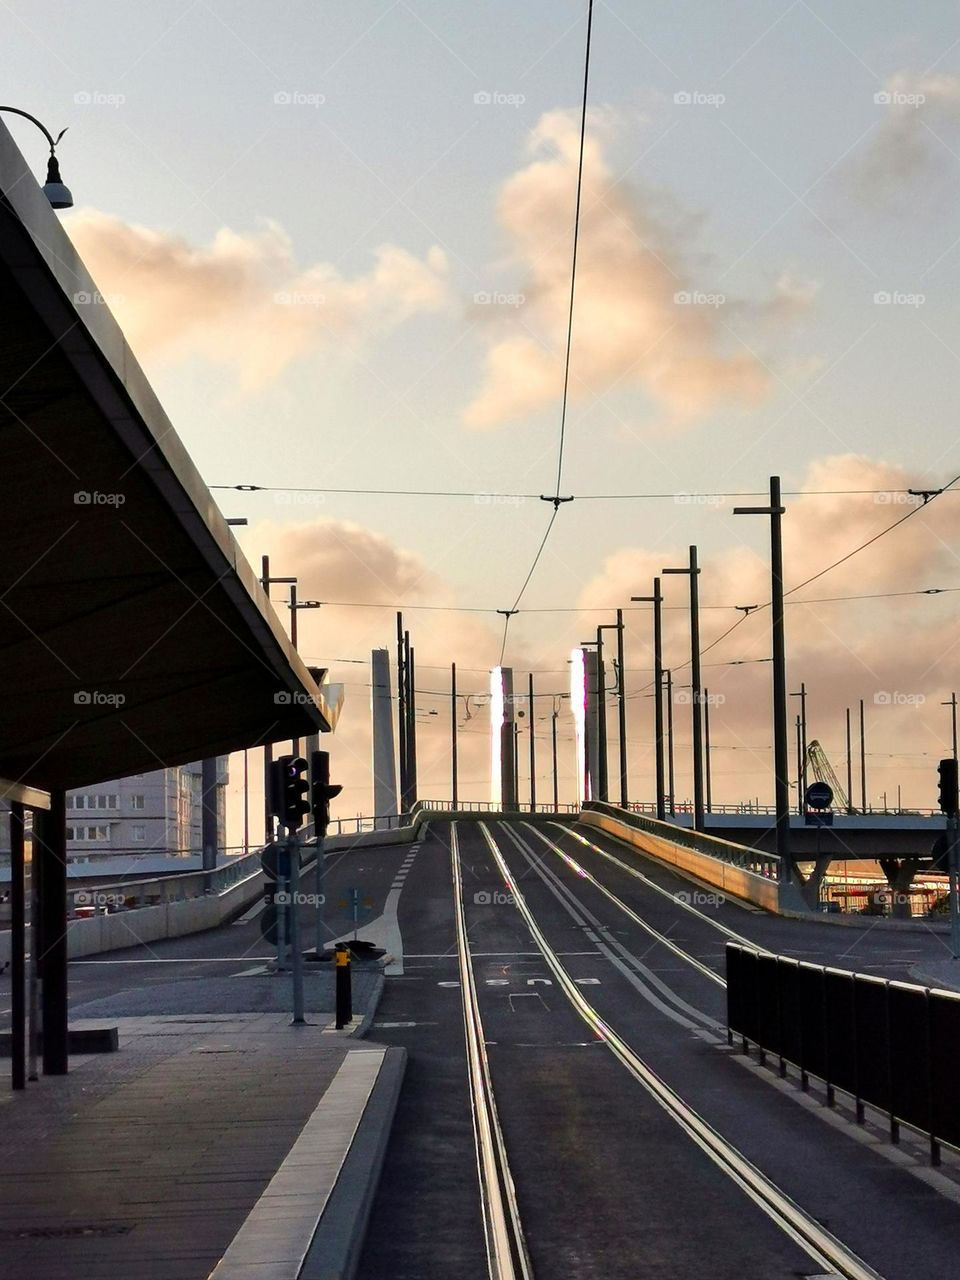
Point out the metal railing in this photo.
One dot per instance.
(488, 806)
(125, 895)
(737, 855)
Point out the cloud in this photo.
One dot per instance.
(898, 653)
(643, 319)
(242, 300)
(916, 107)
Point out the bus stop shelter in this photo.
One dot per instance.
(133, 633)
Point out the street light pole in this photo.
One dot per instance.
(58, 195)
(952, 704)
(533, 755)
(622, 714)
(556, 790)
(781, 752)
(401, 712)
(267, 581)
(849, 766)
(657, 601)
(453, 728)
(673, 798)
(601, 720)
(693, 571)
(706, 747)
(863, 761)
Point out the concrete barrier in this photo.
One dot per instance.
(654, 839)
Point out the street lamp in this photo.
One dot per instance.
(781, 761)
(693, 570)
(657, 601)
(58, 195)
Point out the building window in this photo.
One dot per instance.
(139, 831)
(136, 802)
(100, 834)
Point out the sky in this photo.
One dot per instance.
(338, 237)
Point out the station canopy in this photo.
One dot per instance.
(133, 633)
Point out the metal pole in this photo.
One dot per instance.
(294, 636)
(622, 710)
(33, 975)
(533, 755)
(863, 761)
(673, 798)
(516, 765)
(18, 937)
(849, 766)
(800, 801)
(412, 735)
(954, 865)
(601, 721)
(267, 746)
(246, 802)
(657, 601)
(697, 703)
(401, 713)
(781, 748)
(296, 950)
(952, 704)
(453, 728)
(556, 791)
(706, 747)
(52, 849)
(803, 733)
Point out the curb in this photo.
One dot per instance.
(372, 1005)
(339, 1238)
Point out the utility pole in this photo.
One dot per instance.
(781, 753)
(693, 571)
(622, 710)
(401, 713)
(556, 790)
(266, 581)
(657, 601)
(601, 720)
(952, 704)
(673, 797)
(800, 799)
(411, 723)
(802, 746)
(453, 728)
(849, 766)
(533, 755)
(863, 762)
(706, 746)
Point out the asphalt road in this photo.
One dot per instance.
(607, 1183)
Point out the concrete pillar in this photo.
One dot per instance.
(50, 853)
(385, 797)
(209, 826)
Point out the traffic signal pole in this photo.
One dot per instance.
(296, 950)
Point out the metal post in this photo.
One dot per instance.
(294, 639)
(781, 750)
(412, 729)
(657, 601)
(696, 705)
(533, 754)
(706, 747)
(344, 997)
(863, 761)
(33, 975)
(246, 802)
(453, 728)
(622, 714)
(401, 714)
(673, 797)
(556, 791)
(849, 766)
(952, 704)
(953, 856)
(18, 937)
(209, 826)
(51, 853)
(516, 765)
(296, 950)
(267, 746)
(800, 800)
(601, 721)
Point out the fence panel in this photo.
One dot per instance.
(909, 1054)
(812, 1028)
(841, 1029)
(871, 1021)
(945, 1061)
(791, 1023)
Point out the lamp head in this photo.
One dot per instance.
(58, 195)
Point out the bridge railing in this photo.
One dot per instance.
(488, 806)
(736, 855)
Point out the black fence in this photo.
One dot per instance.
(892, 1045)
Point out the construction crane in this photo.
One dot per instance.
(823, 771)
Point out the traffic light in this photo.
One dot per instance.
(948, 794)
(293, 788)
(321, 790)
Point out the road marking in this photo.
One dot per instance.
(249, 973)
(392, 1026)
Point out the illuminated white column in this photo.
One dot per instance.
(578, 706)
(592, 734)
(385, 801)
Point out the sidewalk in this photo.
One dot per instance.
(146, 1164)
